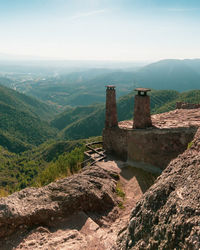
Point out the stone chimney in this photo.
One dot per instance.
(111, 107)
(142, 116)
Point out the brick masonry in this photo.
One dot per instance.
(142, 116)
(111, 107)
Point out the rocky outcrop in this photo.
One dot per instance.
(168, 216)
(94, 189)
(90, 227)
(80, 212)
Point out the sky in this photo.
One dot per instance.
(121, 30)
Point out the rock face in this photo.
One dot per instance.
(168, 216)
(93, 190)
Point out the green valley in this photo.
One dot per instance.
(23, 121)
(42, 138)
(85, 86)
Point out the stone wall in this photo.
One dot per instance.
(158, 146)
(185, 105)
(153, 146)
(115, 142)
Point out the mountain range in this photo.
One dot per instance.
(86, 121)
(34, 130)
(180, 75)
(27, 122)
(87, 86)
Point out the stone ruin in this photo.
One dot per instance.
(185, 105)
(111, 107)
(148, 141)
(142, 115)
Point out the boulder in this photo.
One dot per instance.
(92, 190)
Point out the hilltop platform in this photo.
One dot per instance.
(179, 118)
(153, 147)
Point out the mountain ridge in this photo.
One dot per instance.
(85, 87)
(90, 120)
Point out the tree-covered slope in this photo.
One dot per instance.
(72, 114)
(82, 122)
(180, 75)
(85, 126)
(87, 87)
(26, 104)
(80, 88)
(20, 123)
(192, 96)
(39, 165)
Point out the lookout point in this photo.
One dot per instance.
(149, 141)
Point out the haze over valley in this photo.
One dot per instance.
(38, 108)
(85, 85)
(76, 169)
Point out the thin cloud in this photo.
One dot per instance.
(182, 9)
(87, 14)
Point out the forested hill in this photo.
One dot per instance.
(90, 119)
(26, 103)
(180, 75)
(82, 122)
(21, 124)
(88, 86)
(21, 129)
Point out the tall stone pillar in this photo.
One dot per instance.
(111, 107)
(142, 115)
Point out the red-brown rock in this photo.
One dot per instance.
(168, 216)
(93, 190)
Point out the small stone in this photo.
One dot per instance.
(130, 243)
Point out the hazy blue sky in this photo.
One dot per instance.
(101, 29)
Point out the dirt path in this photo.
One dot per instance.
(86, 231)
(134, 183)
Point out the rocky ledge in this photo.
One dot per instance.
(92, 190)
(168, 215)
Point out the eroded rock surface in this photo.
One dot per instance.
(168, 216)
(43, 219)
(93, 190)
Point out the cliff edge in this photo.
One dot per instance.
(168, 215)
